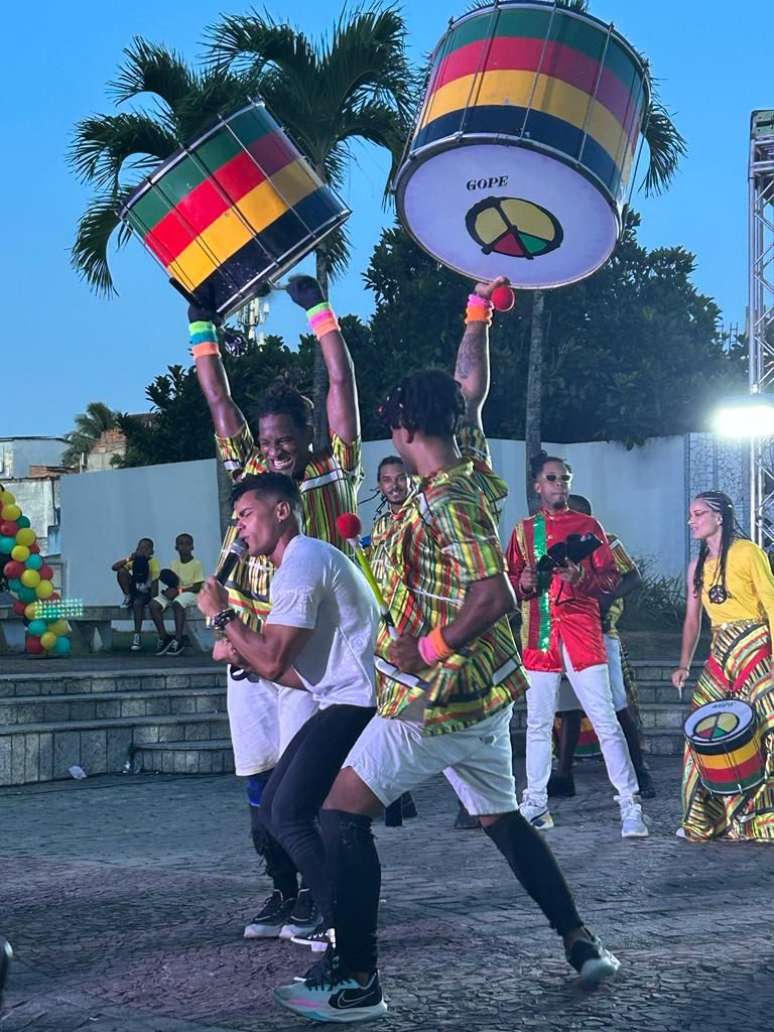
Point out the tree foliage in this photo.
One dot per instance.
(89, 426)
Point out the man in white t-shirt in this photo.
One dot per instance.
(319, 637)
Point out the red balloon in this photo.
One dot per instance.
(503, 299)
(18, 608)
(34, 548)
(54, 596)
(349, 525)
(33, 646)
(9, 528)
(13, 570)
(46, 573)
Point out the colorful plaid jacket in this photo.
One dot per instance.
(328, 488)
(563, 615)
(443, 540)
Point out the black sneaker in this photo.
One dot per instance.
(645, 782)
(318, 940)
(163, 644)
(559, 785)
(465, 821)
(175, 648)
(591, 960)
(408, 806)
(269, 920)
(328, 993)
(305, 917)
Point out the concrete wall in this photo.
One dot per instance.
(640, 494)
(17, 454)
(104, 515)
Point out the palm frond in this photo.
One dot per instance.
(336, 250)
(102, 143)
(217, 93)
(151, 68)
(249, 41)
(89, 253)
(375, 122)
(666, 145)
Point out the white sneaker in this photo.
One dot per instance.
(537, 815)
(632, 822)
(136, 645)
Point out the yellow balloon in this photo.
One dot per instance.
(29, 611)
(20, 553)
(44, 590)
(30, 578)
(6, 498)
(59, 627)
(25, 536)
(48, 640)
(10, 512)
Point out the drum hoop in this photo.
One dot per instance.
(184, 151)
(284, 262)
(751, 728)
(429, 150)
(505, 5)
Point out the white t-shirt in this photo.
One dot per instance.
(318, 587)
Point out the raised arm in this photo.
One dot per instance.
(343, 416)
(471, 370)
(227, 418)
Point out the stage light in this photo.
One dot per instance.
(745, 417)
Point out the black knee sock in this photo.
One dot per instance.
(534, 865)
(277, 864)
(356, 876)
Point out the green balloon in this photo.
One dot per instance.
(62, 647)
(27, 594)
(6, 544)
(37, 627)
(34, 562)
(23, 521)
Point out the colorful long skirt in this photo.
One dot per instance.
(739, 667)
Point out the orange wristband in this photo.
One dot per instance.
(203, 350)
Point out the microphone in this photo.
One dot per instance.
(237, 551)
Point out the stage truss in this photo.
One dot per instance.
(760, 317)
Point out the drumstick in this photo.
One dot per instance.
(349, 526)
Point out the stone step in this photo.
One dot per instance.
(44, 751)
(212, 757)
(77, 682)
(97, 706)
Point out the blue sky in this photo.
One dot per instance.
(66, 347)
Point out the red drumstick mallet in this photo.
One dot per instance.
(348, 524)
(503, 298)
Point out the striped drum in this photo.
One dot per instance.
(522, 155)
(234, 209)
(726, 746)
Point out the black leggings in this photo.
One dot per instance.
(298, 786)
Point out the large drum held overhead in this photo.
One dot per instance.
(522, 154)
(233, 210)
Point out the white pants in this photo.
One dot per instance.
(592, 687)
(568, 700)
(264, 718)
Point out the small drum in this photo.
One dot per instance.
(522, 154)
(726, 746)
(234, 209)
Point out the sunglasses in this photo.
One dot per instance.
(565, 478)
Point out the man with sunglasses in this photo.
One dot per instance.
(562, 633)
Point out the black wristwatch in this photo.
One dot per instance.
(224, 617)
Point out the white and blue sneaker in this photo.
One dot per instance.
(537, 814)
(591, 960)
(329, 994)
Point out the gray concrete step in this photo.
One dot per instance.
(127, 679)
(29, 709)
(211, 757)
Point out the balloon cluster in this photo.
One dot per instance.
(29, 578)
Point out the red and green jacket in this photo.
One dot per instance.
(566, 614)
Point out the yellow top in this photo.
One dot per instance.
(749, 583)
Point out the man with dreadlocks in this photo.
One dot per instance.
(445, 693)
(731, 578)
(264, 717)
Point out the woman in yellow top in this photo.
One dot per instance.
(731, 578)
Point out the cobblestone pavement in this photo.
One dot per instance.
(125, 900)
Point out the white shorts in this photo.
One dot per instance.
(184, 599)
(568, 700)
(393, 757)
(264, 718)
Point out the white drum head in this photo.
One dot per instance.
(719, 722)
(490, 210)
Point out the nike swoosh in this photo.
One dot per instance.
(348, 998)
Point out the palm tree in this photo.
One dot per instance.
(354, 84)
(113, 152)
(89, 427)
(665, 148)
